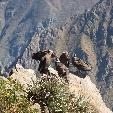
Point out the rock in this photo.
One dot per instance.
(78, 86)
(18, 66)
(88, 90)
(24, 76)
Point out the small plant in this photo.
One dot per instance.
(13, 98)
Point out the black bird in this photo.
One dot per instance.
(62, 70)
(45, 57)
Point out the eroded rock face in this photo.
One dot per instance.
(78, 86)
(19, 21)
(89, 36)
(24, 76)
(85, 87)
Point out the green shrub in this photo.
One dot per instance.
(54, 94)
(13, 98)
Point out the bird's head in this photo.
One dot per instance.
(51, 53)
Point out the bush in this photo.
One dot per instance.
(13, 98)
(54, 94)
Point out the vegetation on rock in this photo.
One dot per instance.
(13, 98)
(55, 95)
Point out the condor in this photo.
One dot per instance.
(80, 64)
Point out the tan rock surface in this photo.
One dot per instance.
(77, 86)
(24, 76)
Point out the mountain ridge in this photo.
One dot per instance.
(88, 35)
(21, 21)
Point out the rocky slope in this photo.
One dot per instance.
(19, 20)
(77, 86)
(90, 37)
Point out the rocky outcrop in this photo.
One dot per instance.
(88, 89)
(77, 86)
(24, 76)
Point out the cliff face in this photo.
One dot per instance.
(77, 86)
(19, 20)
(90, 37)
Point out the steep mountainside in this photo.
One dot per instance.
(90, 37)
(2, 12)
(20, 19)
(31, 25)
